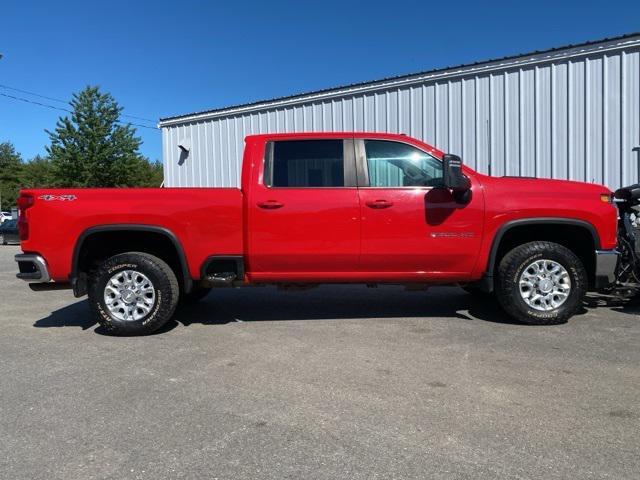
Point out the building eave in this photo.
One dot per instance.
(470, 69)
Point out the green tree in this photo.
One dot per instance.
(91, 148)
(38, 173)
(151, 174)
(10, 174)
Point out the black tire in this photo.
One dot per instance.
(196, 294)
(508, 290)
(165, 287)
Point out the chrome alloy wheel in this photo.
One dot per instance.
(129, 295)
(544, 285)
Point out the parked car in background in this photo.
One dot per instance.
(5, 216)
(9, 232)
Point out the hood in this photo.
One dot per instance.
(552, 187)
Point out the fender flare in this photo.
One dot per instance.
(505, 227)
(79, 284)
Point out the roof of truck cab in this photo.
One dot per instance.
(330, 135)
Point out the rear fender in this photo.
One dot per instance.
(79, 279)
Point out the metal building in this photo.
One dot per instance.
(570, 113)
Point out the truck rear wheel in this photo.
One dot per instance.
(133, 293)
(541, 283)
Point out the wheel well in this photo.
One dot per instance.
(100, 245)
(579, 239)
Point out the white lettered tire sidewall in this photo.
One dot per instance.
(165, 286)
(510, 270)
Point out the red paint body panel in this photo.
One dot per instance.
(425, 231)
(205, 221)
(321, 234)
(511, 198)
(306, 234)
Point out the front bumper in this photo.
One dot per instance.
(606, 262)
(33, 268)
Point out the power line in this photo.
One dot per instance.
(53, 99)
(35, 103)
(34, 94)
(67, 110)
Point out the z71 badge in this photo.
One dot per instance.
(62, 198)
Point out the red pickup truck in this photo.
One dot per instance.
(324, 208)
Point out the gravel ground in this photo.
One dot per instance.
(336, 383)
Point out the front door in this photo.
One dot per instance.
(411, 226)
(304, 212)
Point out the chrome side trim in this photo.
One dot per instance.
(606, 262)
(40, 273)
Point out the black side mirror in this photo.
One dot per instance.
(453, 178)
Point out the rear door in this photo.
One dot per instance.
(304, 211)
(411, 226)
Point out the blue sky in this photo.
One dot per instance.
(160, 58)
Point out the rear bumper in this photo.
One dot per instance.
(33, 268)
(606, 262)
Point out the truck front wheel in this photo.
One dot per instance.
(541, 283)
(133, 293)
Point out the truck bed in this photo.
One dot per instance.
(205, 220)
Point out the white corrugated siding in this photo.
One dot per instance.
(567, 115)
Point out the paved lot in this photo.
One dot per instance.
(335, 383)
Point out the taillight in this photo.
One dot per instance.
(25, 201)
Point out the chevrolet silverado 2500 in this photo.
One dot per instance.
(319, 208)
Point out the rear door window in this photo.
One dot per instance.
(305, 164)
